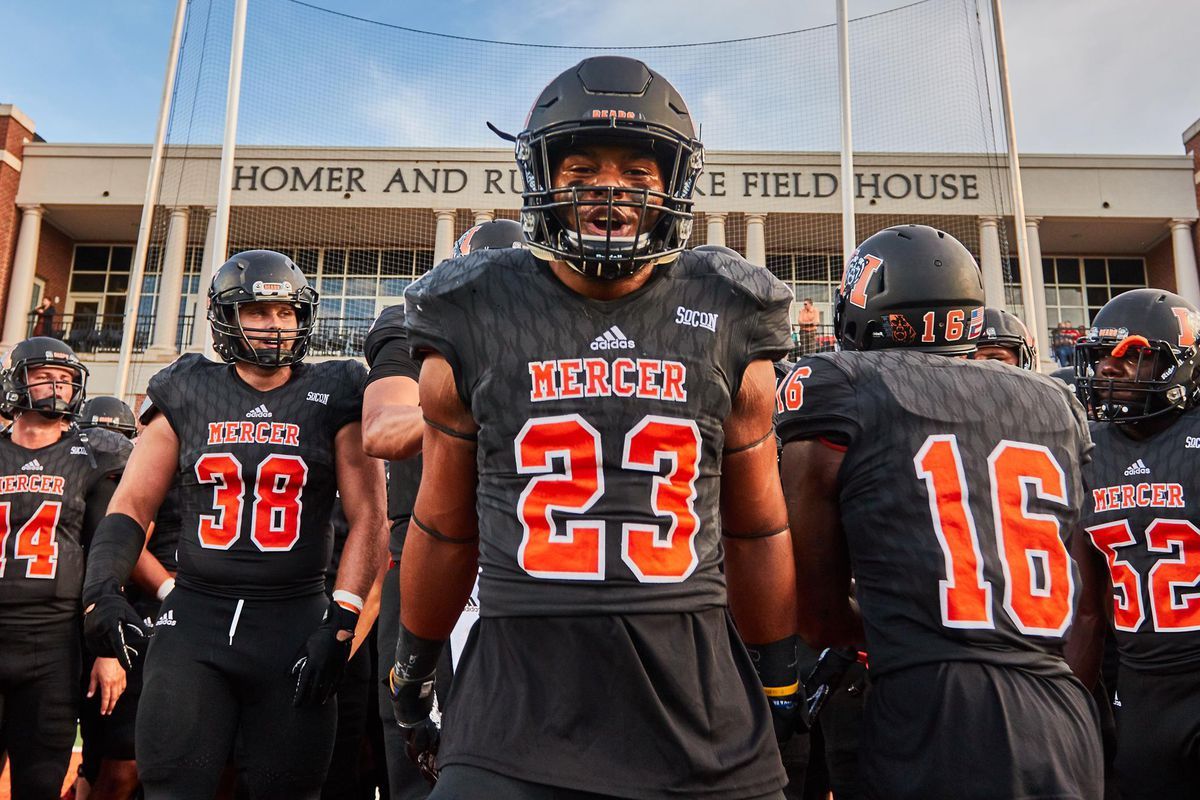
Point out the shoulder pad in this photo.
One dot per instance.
(756, 282)
(454, 274)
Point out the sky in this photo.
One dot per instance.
(1088, 76)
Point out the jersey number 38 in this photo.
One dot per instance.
(275, 515)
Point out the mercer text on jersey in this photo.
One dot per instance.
(647, 378)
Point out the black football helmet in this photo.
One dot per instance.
(41, 351)
(910, 286)
(1161, 328)
(617, 99)
(257, 276)
(717, 248)
(1006, 330)
(108, 412)
(496, 234)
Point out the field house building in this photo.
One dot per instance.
(363, 223)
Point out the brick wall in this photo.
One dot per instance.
(1160, 266)
(55, 251)
(1192, 148)
(13, 136)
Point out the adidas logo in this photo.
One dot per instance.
(34, 465)
(612, 339)
(1137, 468)
(259, 413)
(166, 619)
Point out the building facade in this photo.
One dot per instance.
(363, 223)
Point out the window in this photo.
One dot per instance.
(1077, 288)
(812, 275)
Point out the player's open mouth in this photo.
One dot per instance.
(605, 221)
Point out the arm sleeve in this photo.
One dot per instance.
(817, 400)
(386, 348)
(346, 404)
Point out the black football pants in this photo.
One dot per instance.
(967, 730)
(39, 700)
(218, 685)
(1158, 735)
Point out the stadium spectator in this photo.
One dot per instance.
(1064, 343)
(45, 312)
(808, 319)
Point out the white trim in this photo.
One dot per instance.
(9, 110)
(7, 157)
(1191, 132)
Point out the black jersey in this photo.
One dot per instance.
(388, 356)
(167, 523)
(43, 498)
(600, 423)
(959, 490)
(256, 473)
(1141, 512)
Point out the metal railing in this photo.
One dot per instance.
(89, 333)
(812, 339)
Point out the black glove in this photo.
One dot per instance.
(778, 670)
(827, 676)
(319, 668)
(410, 684)
(113, 629)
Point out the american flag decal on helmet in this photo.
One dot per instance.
(976, 323)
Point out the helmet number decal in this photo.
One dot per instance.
(1187, 333)
(858, 276)
(35, 541)
(954, 325)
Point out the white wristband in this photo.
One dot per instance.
(165, 588)
(349, 600)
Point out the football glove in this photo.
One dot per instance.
(778, 669)
(411, 684)
(318, 670)
(113, 629)
(827, 676)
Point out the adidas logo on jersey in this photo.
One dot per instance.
(259, 413)
(35, 464)
(1137, 468)
(166, 619)
(612, 339)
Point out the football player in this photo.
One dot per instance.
(392, 429)
(248, 646)
(1137, 372)
(948, 488)
(55, 485)
(1005, 338)
(598, 438)
(108, 768)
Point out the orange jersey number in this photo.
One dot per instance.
(36, 541)
(1037, 599)
(657, 553)
(276, 510)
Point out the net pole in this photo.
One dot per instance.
(849, 237)
(1032, 292)
(153, 181)
(220, 239)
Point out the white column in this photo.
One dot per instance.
(990, 261)
(200, 324)
(1187, 283)
(756, 239)
(715, 223)
(20, 287)
(170, 284)
(443, 240)
(482, 215)
(1033, 236)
